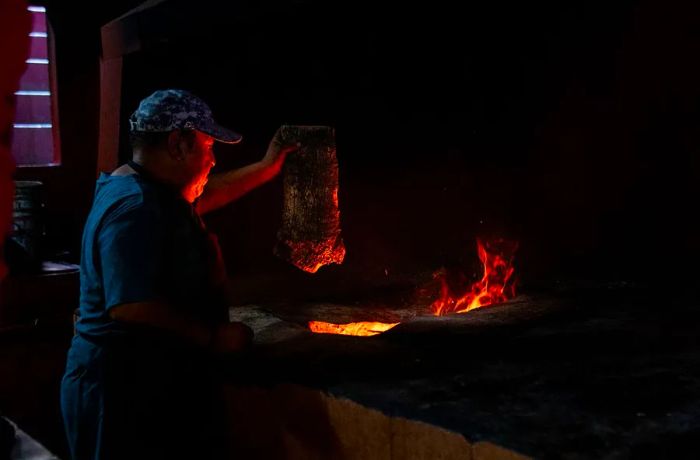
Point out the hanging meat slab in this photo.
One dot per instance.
(309, 237)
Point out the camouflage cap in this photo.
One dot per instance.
(170, 109)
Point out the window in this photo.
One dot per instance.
(35, 133)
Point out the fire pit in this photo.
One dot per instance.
(497, 285)
(585, 371)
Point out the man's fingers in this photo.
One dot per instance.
(291, 148)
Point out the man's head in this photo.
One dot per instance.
(172, 133)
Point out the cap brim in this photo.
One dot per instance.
(224, 135)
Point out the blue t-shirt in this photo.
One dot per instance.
(143, 242)
(129, 387)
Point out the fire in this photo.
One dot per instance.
(496, 286)
(366, 328)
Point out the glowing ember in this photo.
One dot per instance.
(496, 286)
(312, 255)
(365, 328)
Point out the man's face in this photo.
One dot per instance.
(198, 161)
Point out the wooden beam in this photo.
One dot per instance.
(110, 106)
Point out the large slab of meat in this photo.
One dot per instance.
(309, 236)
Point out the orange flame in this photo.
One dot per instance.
(496, 286)
(365, 328)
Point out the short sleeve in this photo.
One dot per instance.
(131, 255)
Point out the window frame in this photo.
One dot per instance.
(41, 171)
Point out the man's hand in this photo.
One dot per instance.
(278, 149)
(231, 337)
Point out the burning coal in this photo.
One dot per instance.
(362, 328)
(497, 284)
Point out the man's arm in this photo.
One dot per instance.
(131, 254)
(224, 338)
(224, 188)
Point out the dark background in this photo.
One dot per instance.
(569, 126)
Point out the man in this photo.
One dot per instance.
(139, 379)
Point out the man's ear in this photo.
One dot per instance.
(175, 145)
